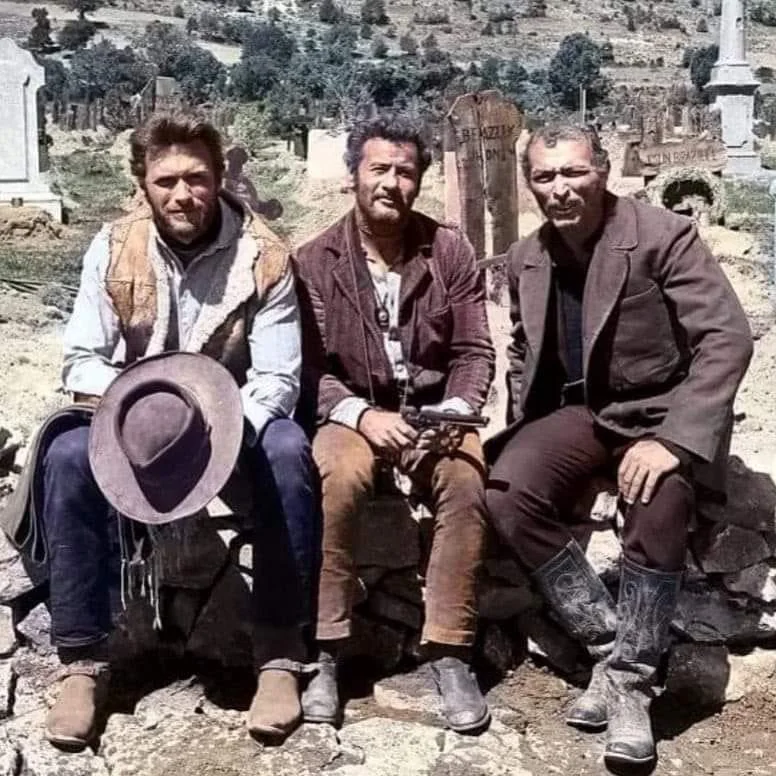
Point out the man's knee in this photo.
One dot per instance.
(286, 445)
(68, 452)
(460, 483)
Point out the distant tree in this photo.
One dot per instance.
(576, 64)
(39, 40)
(102, 68)
(701, 62)
(76, 34)
(408, 44)
(379, 48)
(514, 76)
(82, 7)
(703, 25)
(269, 40)
(56, 79)
(365, 32)
(177, 12)
(490, 74)
(274, 15)
(764, 12)
(329, 12)
(373, 12)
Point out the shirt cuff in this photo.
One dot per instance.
(256, 416)
(348, 412)
(455, 405)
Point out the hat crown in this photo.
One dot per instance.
(160, 428)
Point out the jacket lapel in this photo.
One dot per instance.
(351, 275)
(415, 268)
(608, 272)
(535, 285)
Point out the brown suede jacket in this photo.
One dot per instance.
(443, 324)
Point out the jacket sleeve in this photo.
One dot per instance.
(322, 391)
(472, 357)
(717, 333)
(92, 333)
(517, 343)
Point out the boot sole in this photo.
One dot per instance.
(68, 743)
(624, 759)
(320, 719)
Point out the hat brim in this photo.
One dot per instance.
(218, 396)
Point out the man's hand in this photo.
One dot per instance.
(641, 468)
(386, 431)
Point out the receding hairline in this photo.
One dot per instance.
(552, 134)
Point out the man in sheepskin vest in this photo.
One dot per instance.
(192, 272)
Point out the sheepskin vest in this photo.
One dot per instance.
(139, 288)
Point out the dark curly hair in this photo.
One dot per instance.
(550, 134)
(387, 126)
(162, 130)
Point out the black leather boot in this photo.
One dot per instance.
(644, 610)
(320, 699)
(586, 610)
(463, 706)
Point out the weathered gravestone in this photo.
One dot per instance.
(481, 168)
(21, 182)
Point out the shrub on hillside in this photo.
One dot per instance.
(373, 12)
(764, 12)
(408, 44)
(701, 62)
(702, 26)
(503, 14)
(434, 15)
(379, 48)
(365, 33)
(76, 34)
(177, 12)
(329, 12)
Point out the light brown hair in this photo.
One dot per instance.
(162, 130)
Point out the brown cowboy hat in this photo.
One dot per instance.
(166, 436)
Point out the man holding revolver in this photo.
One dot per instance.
(399, 321)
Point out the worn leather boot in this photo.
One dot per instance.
(71, 722)
(587, 612)
(463, 707)
(275, 711)
(320, 699)
(644, 611)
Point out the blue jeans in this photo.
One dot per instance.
(79, 527)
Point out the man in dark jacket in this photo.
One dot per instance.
(399, 320)
(628, 346)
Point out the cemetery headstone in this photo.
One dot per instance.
(21, 181)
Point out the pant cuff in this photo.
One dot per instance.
(85, 644)
(454, 638)
(333, 631)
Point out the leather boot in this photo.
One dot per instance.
(463, 707)
(275, 711)
(71, 722)
(320, 699)
(644, 611)
(587, 612)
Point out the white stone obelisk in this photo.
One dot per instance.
(733, 86)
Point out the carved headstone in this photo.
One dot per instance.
(21, 181)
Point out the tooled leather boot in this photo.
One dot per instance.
(587, 612)
(71, 722)
(645, 607)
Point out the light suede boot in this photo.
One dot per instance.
(279, 655)
(588, 613)
(645, 607)
(71, 722)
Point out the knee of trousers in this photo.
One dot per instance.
(461, 489)
(672, 503)
(286, 445)
(68, 453)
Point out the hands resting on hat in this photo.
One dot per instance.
(390, 434)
